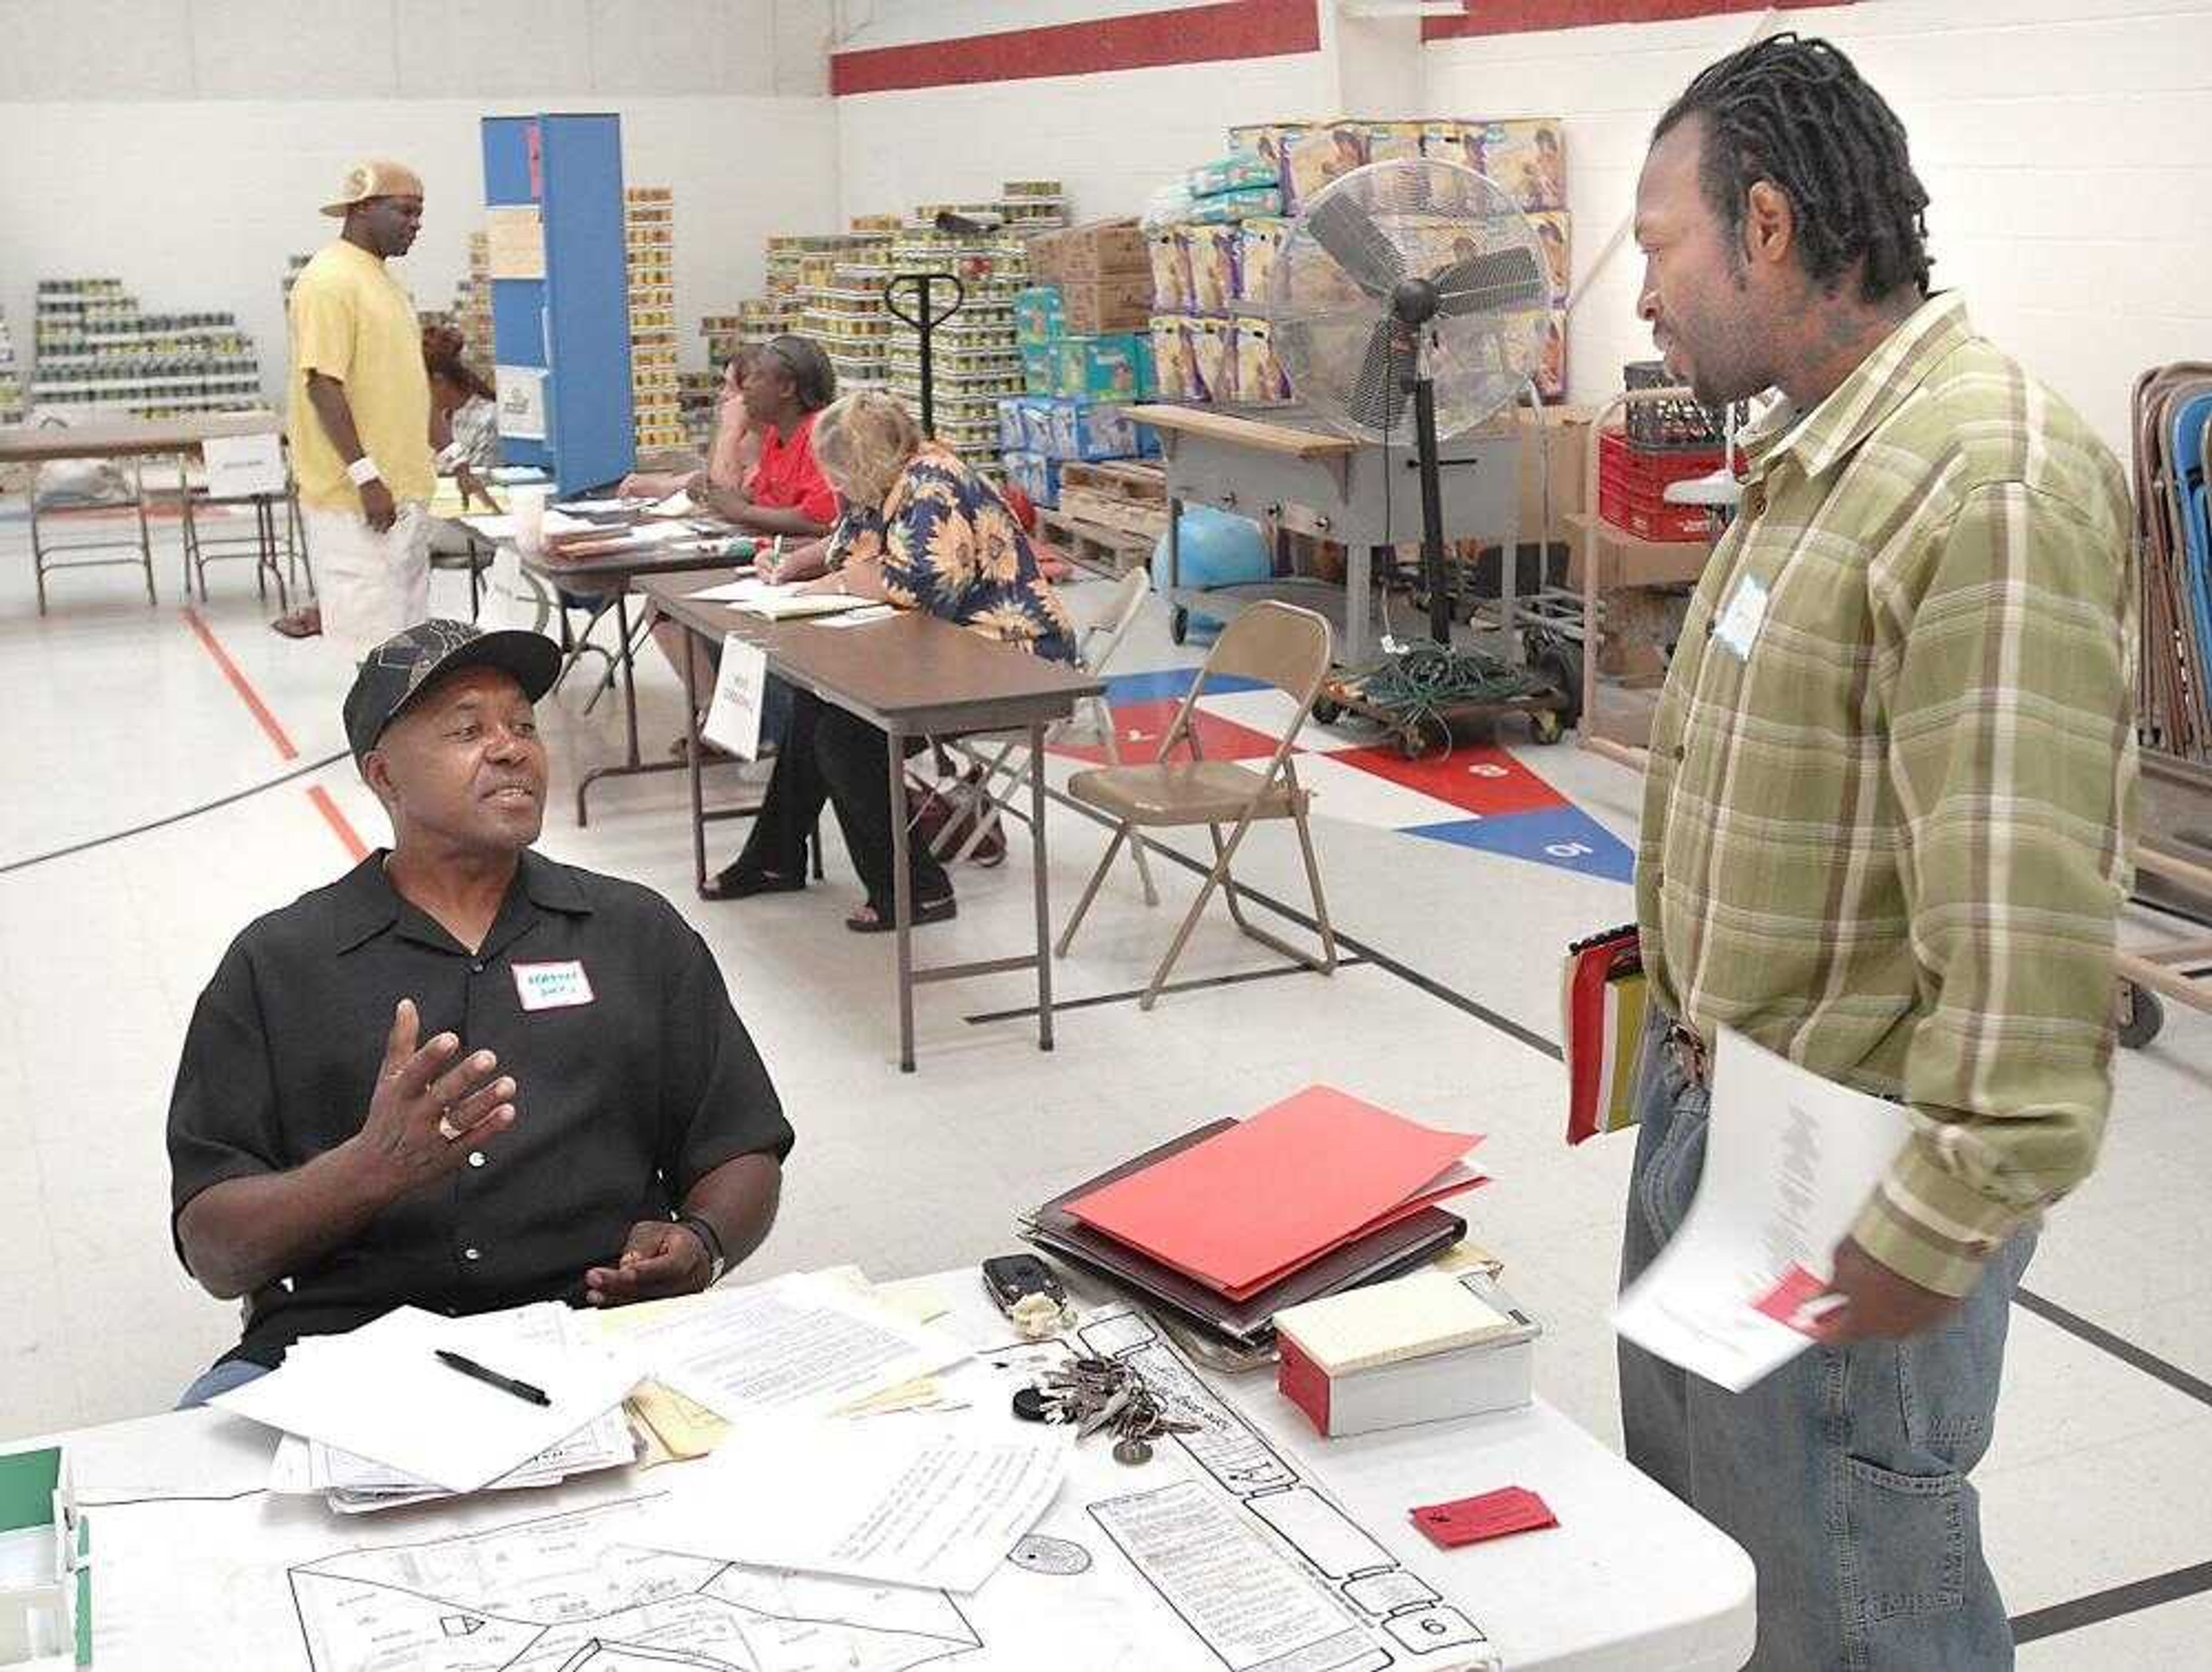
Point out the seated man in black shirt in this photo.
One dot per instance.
(462, 1076)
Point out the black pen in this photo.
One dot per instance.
(504, 1383)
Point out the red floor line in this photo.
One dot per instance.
(338, 823)
(240, 684)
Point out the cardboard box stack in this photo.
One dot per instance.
(97, 347)
(649, 238)
(1211, 269)
(1086, 352)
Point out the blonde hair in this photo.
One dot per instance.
(862, 441)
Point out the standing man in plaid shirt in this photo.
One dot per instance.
(1886, 835)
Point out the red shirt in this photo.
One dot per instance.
(787, 478)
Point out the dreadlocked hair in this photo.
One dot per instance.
(1796, 113)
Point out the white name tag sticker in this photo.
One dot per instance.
(552, 986)
(1738, 626)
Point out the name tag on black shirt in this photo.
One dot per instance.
(552, 986)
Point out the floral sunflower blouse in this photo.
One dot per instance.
(950, 546)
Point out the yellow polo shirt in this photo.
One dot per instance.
(353, 321)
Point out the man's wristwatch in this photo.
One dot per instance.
(710, 1239)
(362, 472)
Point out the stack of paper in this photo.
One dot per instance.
(393, 1421)
(1263, 1198)
(501, 527)
(675, 1426)
(789, 603)
(805, 1344)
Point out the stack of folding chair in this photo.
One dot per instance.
(2173, 529)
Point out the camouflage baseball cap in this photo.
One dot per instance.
(405, 664)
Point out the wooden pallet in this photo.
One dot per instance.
(1116, 494)
(1110, 551)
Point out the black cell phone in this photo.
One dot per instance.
(1009, 1277)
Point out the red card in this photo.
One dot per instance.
(1488, 1515)
(1783, 1302)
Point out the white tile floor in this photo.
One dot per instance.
(116, 714)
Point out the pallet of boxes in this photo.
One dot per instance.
(1647, 551)
(1086, 353)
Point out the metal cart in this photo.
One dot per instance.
(1277, 463)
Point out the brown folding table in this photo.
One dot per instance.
(914, 676)
(136, 439)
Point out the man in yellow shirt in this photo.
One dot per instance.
(360, 422)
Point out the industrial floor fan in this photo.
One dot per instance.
(1415, 290)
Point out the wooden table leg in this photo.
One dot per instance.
(902, 900)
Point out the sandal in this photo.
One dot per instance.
(869, 921)
(738, 883)
(304, 624)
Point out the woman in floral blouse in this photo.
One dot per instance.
(921, 530)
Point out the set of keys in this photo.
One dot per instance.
(1102, 1395)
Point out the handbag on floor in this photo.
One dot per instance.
(944, 814)
(1603, 1007)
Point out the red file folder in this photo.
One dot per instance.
(1308, 1175)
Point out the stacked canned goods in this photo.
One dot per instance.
(97, 347)
(649, 244)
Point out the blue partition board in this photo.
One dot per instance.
(575, 322)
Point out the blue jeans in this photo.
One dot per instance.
(221, 1379)
(1844, 1473)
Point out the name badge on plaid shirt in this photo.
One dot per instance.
(1738, 625)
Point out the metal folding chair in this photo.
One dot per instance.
(996, 764)
(47, 508)
(1283, 646)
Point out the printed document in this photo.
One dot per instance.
(802, 1343)
(926, 1500)
(1789, 1160)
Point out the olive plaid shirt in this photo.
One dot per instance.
(1887, 819)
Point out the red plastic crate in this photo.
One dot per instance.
(1633, 483)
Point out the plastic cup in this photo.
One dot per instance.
(527, 504)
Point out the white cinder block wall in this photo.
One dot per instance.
(182, 145)
(2062, 141)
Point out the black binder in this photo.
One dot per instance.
(1250, 1324)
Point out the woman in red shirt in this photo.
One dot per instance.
(785, 384)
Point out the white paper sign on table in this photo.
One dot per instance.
(240, 465)
(733, 719)
(918, 1500)
(1791, 1159)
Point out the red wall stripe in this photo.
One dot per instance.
(1182, 34)
(1508, 17)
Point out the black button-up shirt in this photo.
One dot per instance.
(623, 1102)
